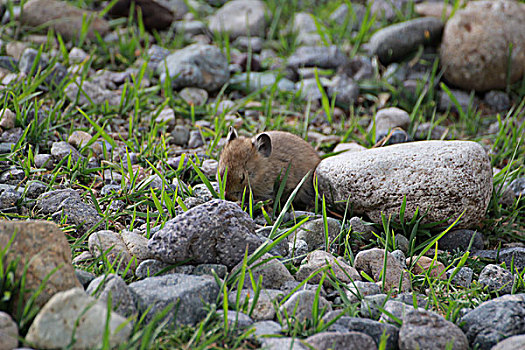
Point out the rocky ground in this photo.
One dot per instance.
(114, 233)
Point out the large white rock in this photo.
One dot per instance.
(56, 324)
(443, 177)
(240, 18)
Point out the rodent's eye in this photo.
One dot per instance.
(242, 177)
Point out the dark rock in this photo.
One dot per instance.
(154, 15)
(9, 63)
(496, 279)
(493, 321)
(395, 42)
(187, 293)
(513, 257)
(497, 100)
(215, 232)
(460, 239)
(84, 277)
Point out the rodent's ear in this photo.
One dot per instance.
(264, 144)
(232, 134)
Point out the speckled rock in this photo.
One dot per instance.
(113, 285)
(197, 65)
(62, 149)
(396, 41)
(43, 245)
(300, 305)
(312, 232)
(74, 314)
(188, 292)
(64, 18)
(341, 341)
(462, 278)
(428, 330)
(496, 278)
(319, 259)
(371, 262)
(240, 18)
(475, 45)
(111, 244)
(493, 321)
(214, 232)
(448, 176)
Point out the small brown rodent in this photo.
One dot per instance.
(259, 162)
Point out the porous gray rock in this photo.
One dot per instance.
(113, 286)
(371, 262)
(357, 290)
(73, 317)
(44, 247)
(49, 202)
(197, 65)
(8, 332)
(493, 321)
(113, 247)
(446, 178)
(273, 272)
(460, 239)
(87, 93)
(312, 232)
(63, 18)
(187, 293)
(496, 279)
(424, 329)
(62, 149)
(301, 303)
(341, 341)
(320, 259)
(476, 44)
(395, 42)
(240, 18)
(463, 277)
(215, 232)
(513, 257)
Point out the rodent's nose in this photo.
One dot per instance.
(232, 196)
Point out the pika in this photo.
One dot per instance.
(260, 162)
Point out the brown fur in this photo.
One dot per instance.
(257, 164)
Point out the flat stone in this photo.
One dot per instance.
(449, 177)
(44, 247)
(74, 315)
(187, 292)
(395, 42)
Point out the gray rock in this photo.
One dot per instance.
(305, 27)
(8, 332)
(513, 256)
(518, 186)
(460, 239)
(496, 279)
(195, 139)
(373, 328)
(7, 118)
(297, 250)
(511, 343)
(371, 262)
(188, 293)
(12, 177)
(497, 100)
(493, 321)
(73, 315)
(352, 15)
(136, 244)
(84, 277)
(266, 327)
(463, 101)
(359, 226)
(408, 298)
(150, 268)
(255, 81)
(77, 55)
(475, 45)
(463, 277)
(195, 96)
(113, 285)
(240, 18)
(312, 232)
(78, 213)
(264, 308)
(358, 290)
(282, 343)
(451, 177)
(371, 305)
(317, 56)
(301, 303)
(44, 161)
(428, 330)
(397, 309)
(274, 273)
(91, 93)
(341, 341)
(344, 89)
(210, 269)
(245, 43)
(318, 260)
(236, 319)
(402, 243)
(28, 58)
(9, 198)
(358, 68)
(45, 248)
(190, 28)
(197, 65)
(216, 232)
(9, 63)
(113, 247)
(79, 138)
(395, 42)
(429, 131)
(387, 119)
(180, 135)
